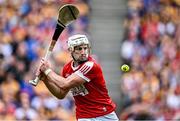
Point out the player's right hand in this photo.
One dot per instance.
(41, 75)
(44, 65)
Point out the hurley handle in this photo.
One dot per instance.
(36, 80)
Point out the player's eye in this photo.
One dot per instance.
(80, 48)
(85, 48)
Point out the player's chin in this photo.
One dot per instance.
(83, 59)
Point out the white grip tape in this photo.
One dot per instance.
(47, 71)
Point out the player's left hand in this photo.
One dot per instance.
(44, 65)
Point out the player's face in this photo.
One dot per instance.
(81, 53)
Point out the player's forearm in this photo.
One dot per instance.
(57, 85)
(65, 83)
(55, 90)
(60, 81)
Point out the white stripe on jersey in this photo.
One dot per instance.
(86, 67)
(83, 68)
(82, 76)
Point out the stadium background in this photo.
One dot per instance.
(142, 33)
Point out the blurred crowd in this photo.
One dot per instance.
(151, 46)
(26, 28)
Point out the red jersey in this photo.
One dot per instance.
(91, 98)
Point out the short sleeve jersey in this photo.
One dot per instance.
(91, 98)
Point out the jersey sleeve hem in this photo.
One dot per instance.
(82, 76)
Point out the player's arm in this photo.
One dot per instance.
(52, 87)
(55, 89)
(60, 86)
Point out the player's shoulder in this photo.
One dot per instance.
(91, 64)
(88, 64)
(94, 61)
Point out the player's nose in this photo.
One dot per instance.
(83, 51)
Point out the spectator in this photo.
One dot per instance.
(153, 52)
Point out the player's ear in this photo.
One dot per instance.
(89, 49)
(70, 49)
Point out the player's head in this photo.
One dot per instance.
(79, 47)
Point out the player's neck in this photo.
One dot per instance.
(75, 64)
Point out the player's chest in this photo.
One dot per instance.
(70, 70)
(79, 90)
